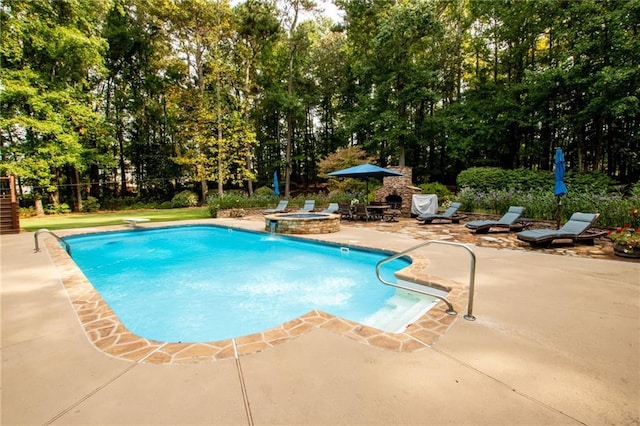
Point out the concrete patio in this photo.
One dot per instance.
(556, 341)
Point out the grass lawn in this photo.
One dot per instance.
(86, 220)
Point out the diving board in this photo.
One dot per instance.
(134, 221)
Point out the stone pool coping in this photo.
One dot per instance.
(107, 333)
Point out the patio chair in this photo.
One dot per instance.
(345, 211)
(362, 212)
(308, 207)
(575, 229)
(450, 215)
(507, 221)
(280, 208)
(332, 208)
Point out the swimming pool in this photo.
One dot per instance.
(206, 283)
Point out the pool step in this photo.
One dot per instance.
(399, 311)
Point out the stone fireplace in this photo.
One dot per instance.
(397, 191)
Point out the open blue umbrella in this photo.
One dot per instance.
(365, 171)
(276, 186)
(559, 188)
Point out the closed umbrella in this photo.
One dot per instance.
(276, 186)
(365, 171)
(559, 188)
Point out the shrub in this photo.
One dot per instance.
(185, 199)
(166, 205)
(212, 208)
(91, 204)
(487, 179)
(124, 203)
(57, 208)
(541, 204)
(27, 211)
(594, 182)
(264, 191)
(238, 200)
(340, 197)
(298, 201)
(483, 179)
(439, 189)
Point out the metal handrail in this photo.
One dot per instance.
(40, 231)
(472, 274)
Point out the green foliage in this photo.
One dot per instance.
(185, 199)
(483, 178)
(57, 208)
(52, 58)
(83, 220)
(91, 204)
(124, 203)
(212, 209)
(342, 159)
(169, 92)
(237, 199)
(167, 205)
(340, 197)
(540, 204)
(264, 191)
(489, 179)
(593, 182)
(439, 189)
(298, 201)
(27, 212)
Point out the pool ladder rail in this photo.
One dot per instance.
(418, 287)
(46, 231)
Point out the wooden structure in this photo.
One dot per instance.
(9, 212)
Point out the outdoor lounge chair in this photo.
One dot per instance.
(450, 214)
(575, 229)
(309, 205)
(281, 208)
(333, 208)
(507, 221)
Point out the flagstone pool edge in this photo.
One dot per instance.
(107, 333)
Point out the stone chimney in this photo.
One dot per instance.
(398, 191)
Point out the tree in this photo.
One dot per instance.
(291, 15)
(52, 58)
(257, 30)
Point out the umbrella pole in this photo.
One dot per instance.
(558, 211)
(366, 191)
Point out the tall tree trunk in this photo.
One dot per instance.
(120, 138)
(38, 205)
(247, 90)
(290, 122)
(77, 190)
(220, 144)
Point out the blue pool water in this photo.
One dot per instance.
(206, 283)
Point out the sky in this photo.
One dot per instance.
(330, 10)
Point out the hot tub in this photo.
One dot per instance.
(302, 223)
